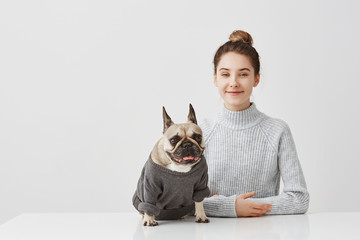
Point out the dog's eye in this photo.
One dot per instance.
(197, 138)
(174, 140)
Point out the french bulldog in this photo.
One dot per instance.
(173, 182)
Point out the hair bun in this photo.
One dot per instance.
(241, 36)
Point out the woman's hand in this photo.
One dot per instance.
(246, 208)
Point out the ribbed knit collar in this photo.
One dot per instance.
(240, 119)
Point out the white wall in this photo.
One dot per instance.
(82, 84)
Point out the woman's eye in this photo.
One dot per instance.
(225, 74)
(243, 74)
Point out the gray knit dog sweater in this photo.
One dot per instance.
(169, 194)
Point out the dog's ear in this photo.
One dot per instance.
(167, 120)
(191, 116)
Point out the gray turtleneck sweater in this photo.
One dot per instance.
(249, 151)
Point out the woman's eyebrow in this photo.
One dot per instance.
(241, 69)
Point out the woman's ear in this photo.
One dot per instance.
(215, 80)
(257, 80)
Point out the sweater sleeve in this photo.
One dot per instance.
(151, 191)
(295, 198)
(220, 206)
(201, 189)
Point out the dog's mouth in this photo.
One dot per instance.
(184, 160)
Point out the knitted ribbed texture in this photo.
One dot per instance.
(248, 151)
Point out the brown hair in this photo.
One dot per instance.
(239, 42)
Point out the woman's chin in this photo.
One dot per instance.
(237, 105)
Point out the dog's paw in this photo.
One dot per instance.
(200, 213)
(149, 220)
(202, 219)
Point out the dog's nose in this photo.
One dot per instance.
(187, 144)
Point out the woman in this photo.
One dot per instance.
(246, 150)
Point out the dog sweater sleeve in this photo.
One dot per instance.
(201, 189)
(151, 189)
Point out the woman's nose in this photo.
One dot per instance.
(233, 81)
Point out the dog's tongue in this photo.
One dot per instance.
(188, 158)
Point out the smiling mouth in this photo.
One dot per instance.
(234, 93)
(184, 160)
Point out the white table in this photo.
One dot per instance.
(119, 226)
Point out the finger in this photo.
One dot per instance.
(258, 213)
(264, 211)
(247, 195)
(261, 205)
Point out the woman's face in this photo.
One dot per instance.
(235, 79)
